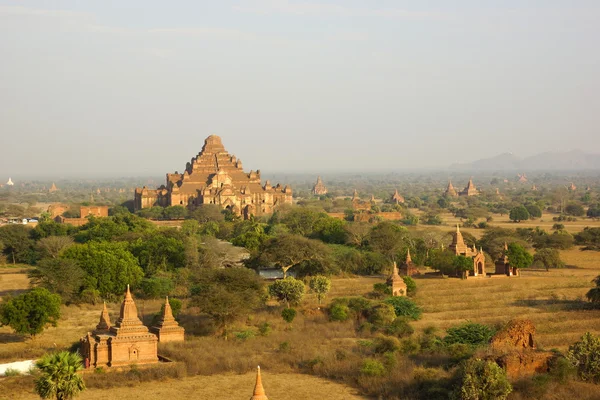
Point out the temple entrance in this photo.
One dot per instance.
(480, 268)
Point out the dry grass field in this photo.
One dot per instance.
(220, 387)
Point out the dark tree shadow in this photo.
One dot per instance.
(14, 292)
(11, 338)
(556, 304)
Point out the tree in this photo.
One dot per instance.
(51, 246)
(519, 214)
(482, 380)
(534, 211)
(288, 315)
(30, 312)
(585, 356)
(593, 294)
(462, 265)
(404, 307)
(469, 333)
(207, 213)
(287, 251)
(320, 285)
(160, 251)
(548, 258)
(18, 247)
(589, 237)
(518, 257)
(109, 266)
(227, 294)
(156, 287)
(59, 378)
(442, 260)
(61, 276)
(289, 291)
(575, 210)
(175, 212)
(388, 239)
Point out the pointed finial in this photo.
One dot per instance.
(259, 391)
(408, 259)
(128, 293)
(457, 228)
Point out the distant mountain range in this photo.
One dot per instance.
(550, 161)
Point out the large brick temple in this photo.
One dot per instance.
(216, 177)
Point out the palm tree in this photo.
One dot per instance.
(59, 378)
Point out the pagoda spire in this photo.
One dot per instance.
(408, 259)
(128, 315)
(259, 390)
(104, 323)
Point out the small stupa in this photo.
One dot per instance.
(259, 390)
(408, 267)
(10, 182)
(396, 282)
(167, 329)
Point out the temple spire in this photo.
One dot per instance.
(408, 259)
(104, 323)
(259, 391)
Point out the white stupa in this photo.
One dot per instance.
(10, 182)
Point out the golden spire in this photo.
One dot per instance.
(259, 391)
(408, 259)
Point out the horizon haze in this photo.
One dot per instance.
(132, 88)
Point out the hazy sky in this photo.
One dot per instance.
(133, 87)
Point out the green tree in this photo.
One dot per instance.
(190, 227)
(156, 287)
(534, 211)
(593, 294)
(462, 264)
(469, 333)
(320, 285)
(404, 307)
(227, 294)
(289, 291)
(30, 312)
(61, 276)
(388, 239)
(151, 213)
(160, 251)
(589, 237)
(288, 315)
(207, 213)
(482, 380)
(575, 210)
(518, 257)
(585, 356)
(175, 212)
(58, 376)
(18, 247)
(51, 246)
(109, 266)
(548, 258)
(287, 251)
(519, 214)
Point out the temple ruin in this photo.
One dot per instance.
(319, 189)
(408, 268)
(396, 282)
(397, 198)
(216, 177)
(450, 191)
(470, 189)
(503, 265)
(459, 247)
(128, 341)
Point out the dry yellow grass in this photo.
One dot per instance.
(220, 387)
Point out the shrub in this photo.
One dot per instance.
(372, 368)
(482, 380)
(30, 312)
(245, 334)
(339, 312)
(264, 329)
(11, 372)
(386, 344)
(288, 315)
(382, 288)
(585, 356)
(399, 328)
(411, 286)
(404, 307)
(382, 314)
(469, 333)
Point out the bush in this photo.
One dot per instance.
(482, 380)
(288, 315)
(11, 372)
(585, 356)
(404, 307)
(245, 334)
(469, 333)
(411, 286)
(382, 288)
(381, 314)
(372, 368)
(386, 344)
(339, 312)
(399, 328)
(264, 329)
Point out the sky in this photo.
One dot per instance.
(129, 88)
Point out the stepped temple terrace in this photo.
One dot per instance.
(128, 341)
(216, 177)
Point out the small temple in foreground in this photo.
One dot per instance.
(128, 341)
(216, 177)
(396, 282)
(459, 247)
